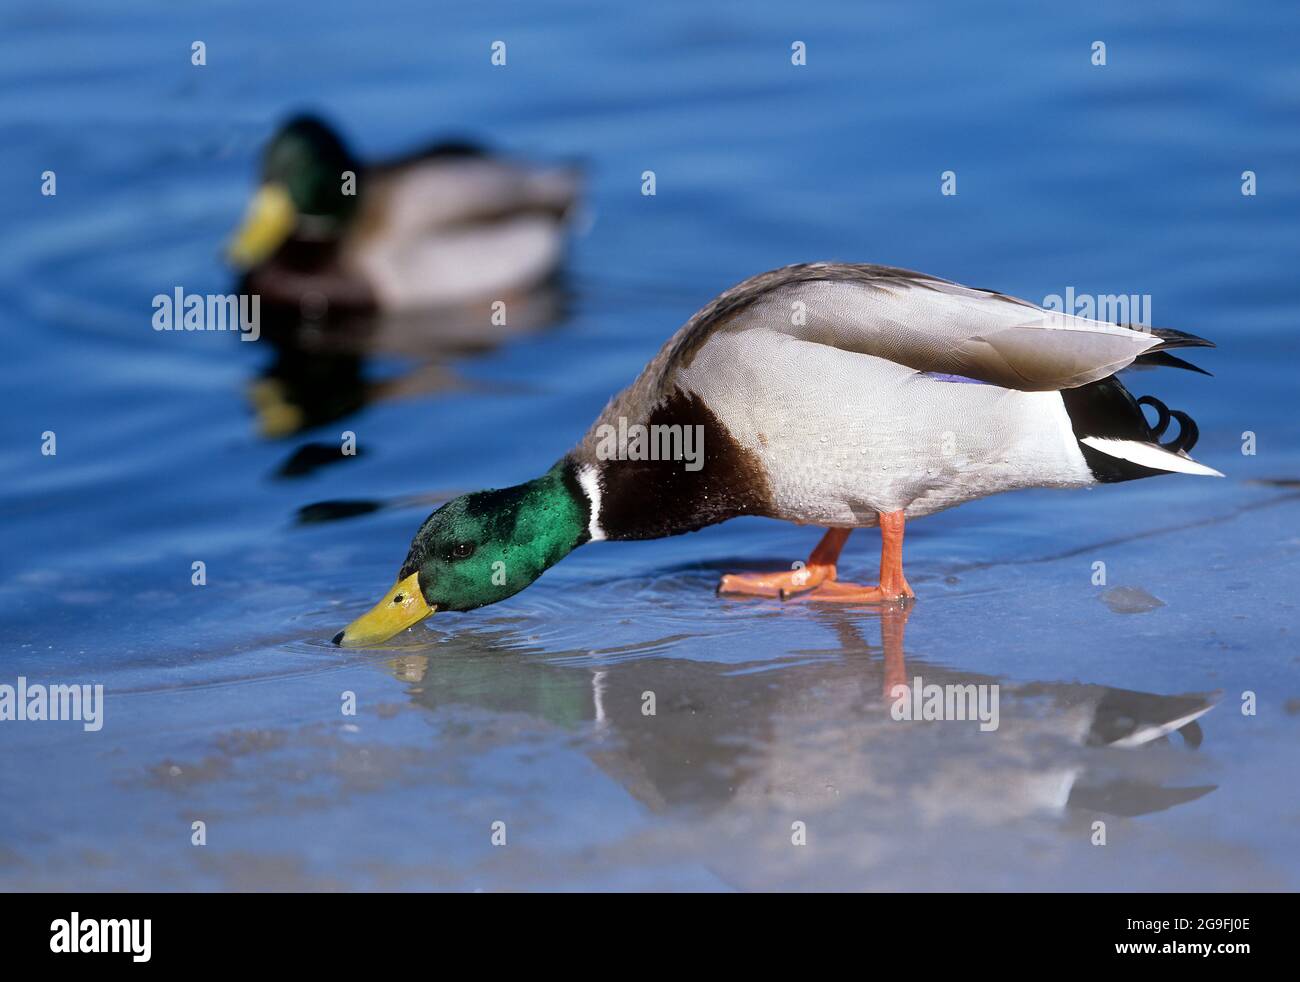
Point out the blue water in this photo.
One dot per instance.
(223, 701)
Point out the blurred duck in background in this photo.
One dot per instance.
(403, 258)
(447, 225)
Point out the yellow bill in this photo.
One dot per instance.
(270, 218)
(402, 607)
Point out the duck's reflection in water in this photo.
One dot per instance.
(819, 727)
(318, 371)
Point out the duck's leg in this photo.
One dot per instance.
(819, 569)
(817, 580)
(893, 584)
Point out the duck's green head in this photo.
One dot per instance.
(305, 191)
(479, 549)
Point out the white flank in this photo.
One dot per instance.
(1149, 455)
(590, 482)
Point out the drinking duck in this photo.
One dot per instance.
(827, 394)
(446, 225)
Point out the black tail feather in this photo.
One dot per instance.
(1178, 339)
(1188, 433)
(1162, 418)
(1164, 359)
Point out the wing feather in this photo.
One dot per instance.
(925, 323)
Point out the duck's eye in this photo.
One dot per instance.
(462, 550)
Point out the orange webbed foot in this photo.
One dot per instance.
(855, 593)
(780, 586)
(817, 582)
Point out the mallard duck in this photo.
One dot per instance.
(826, 394)
(442, 226)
